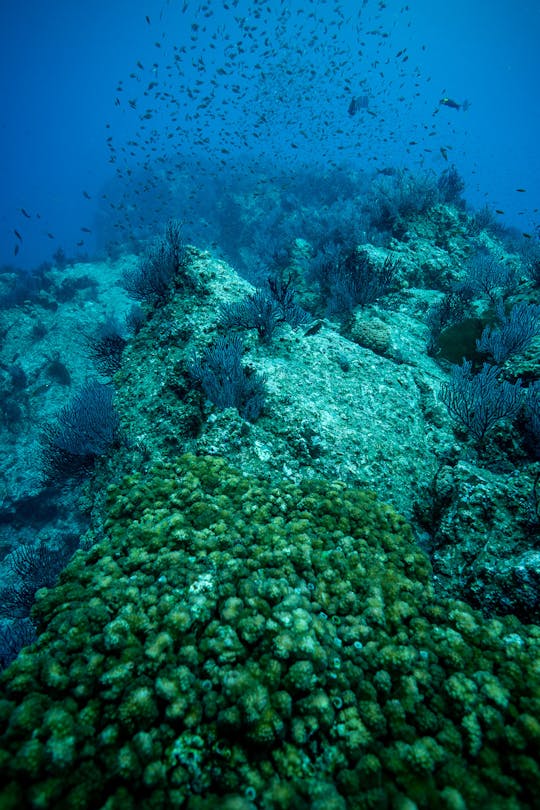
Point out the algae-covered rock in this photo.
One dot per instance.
(232, 643)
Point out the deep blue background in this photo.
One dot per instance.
(295, 67)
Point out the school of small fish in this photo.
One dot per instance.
(246, 85)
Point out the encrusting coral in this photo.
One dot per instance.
(234, 644)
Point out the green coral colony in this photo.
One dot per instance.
(235, 644)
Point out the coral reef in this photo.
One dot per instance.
(373, 334)
(236, 643)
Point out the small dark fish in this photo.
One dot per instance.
(16, 249)
(17, 234)
(51, 235)
(87, 195)
(526, 235)
(25, 213)
(444, 152)
(80, 243)
(499, 211)
(521, 190)
(358, 103)
(147, 18)
(86, 230)
(314, 328)
(449, 102)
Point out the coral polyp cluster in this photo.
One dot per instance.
(232, 643)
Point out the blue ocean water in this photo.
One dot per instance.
(103, 106)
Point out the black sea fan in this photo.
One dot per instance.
(258, 311)
(226, 382)
(37, 566)
(479, 401)
(85, 429)
(152, 279)
(514, 331)
(107, 345)
(13, 637)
